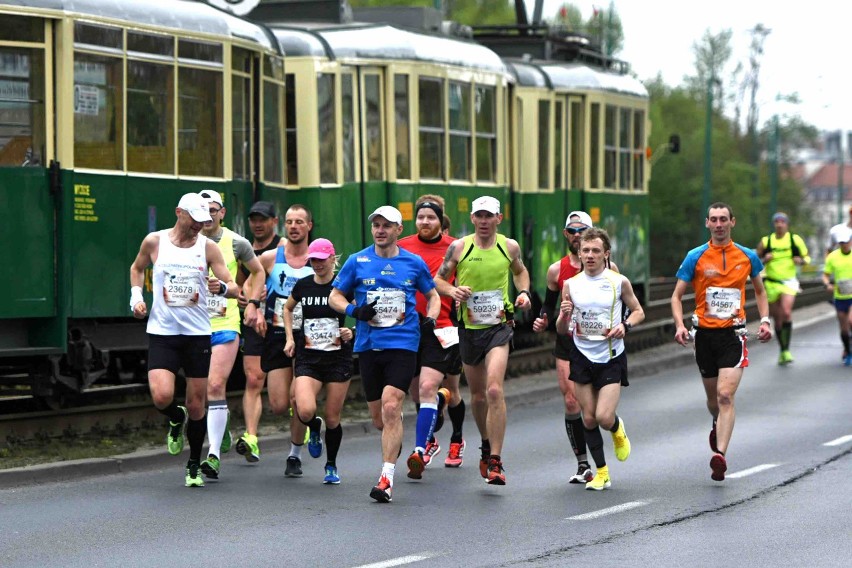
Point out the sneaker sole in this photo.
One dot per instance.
(448, 463)
(200, 483)
(577, 479)
(380, 495)
(719, 467)
(606, 485)
(331, 482)
(208, 471)
(496, 481)
(415, 468)
(292, 474)
(312, 452)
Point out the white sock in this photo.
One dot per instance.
(296, 451)
(387, 470)
(217, 419)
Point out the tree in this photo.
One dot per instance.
(570, 17)
(468, 12)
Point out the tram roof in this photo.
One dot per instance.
(187, 15)
(381, 41)
(574, 76)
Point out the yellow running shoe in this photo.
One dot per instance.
(600, 481)
(621, 443)
(247, 446)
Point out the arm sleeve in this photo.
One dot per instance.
(551, 298)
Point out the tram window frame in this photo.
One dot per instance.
(460, 131)
(639, 149)
(242, 113)
(99, 138)
(431, 133)
(31, 105)
(559, 143)
(485, 132)
(543, 131)
(402, 121)
(22, 29)
(291, 129)
(273, 97)
(595, 146)
(625, 124)
(610, 146)
(347, 125)
(375, 135)
(327, 127)
(577, 144)
(200, 125)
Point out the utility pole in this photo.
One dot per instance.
(840, 167)
(774, 158)
(708, 149)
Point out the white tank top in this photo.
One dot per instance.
(180, 289)
(597, 309)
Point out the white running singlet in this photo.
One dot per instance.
(180, 289)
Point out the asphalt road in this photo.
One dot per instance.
(786, 500)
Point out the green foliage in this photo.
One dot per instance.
(468, 12)
(603, 25)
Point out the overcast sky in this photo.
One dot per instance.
(807, 52)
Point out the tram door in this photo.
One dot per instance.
(371, 139)
(26, 199)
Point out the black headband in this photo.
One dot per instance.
(433, 206)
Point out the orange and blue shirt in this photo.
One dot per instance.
(718, 275)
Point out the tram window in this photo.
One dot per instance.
(595, 146)
(401, 104)
(431, 103)
(543, 144)
(639, 149)
(151, 43)
(150, 122)
(577, 142)
(200, 123)
(22, 121)
(624, 153)
(558, 133)
(327, 131)
(20, 28)
(460, 131)
(375, 133)
(198, 51)
(610, 148)
(486, 134)
(292, 146)
(98, 112)
(241, 135)
(241, 60)
(348, 126)
(273, 127)
(98, 35)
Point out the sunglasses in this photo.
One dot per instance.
(213, 211)
(575, 230)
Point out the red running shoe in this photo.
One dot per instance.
(416, 465)
(719, 467)
(713, 439)
(382, 491)
(432, 450)
(456, 455)
(496, 475)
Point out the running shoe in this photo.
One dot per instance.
(483, 462)
(455, 457)
(226, 438)
(247, 446)
(713, 439)
(496, 474)
(416, 465)
(294, 467)
(193, 478)
(315, 441)
(621, 442)
(785, 357)
(847, 361)
(382, 491)
(174, 439)
(210, 467)
(584, 474)
(599, 482)
(432, 450)
(719, 466)
(331, 476)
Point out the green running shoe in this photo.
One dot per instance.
(174, 439)
(226, 439)
(247, 446)
(210, 467)
(193, 477)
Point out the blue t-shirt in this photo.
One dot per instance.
(395, 282)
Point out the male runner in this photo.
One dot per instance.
(838, 267)
(481, 263)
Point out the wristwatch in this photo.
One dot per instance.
(255, 303)
(627, 326)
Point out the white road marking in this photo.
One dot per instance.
(839, 441)
(608, 511)
(397, 561)
(751, 471)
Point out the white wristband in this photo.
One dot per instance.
(135, 296)
(765, 320)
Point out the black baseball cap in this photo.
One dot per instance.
(264, 208)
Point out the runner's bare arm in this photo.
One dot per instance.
(520, 275)
(145, 257)
(446, 271)
(681, 333)
(764, 333)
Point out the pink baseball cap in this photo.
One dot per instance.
(320, 249)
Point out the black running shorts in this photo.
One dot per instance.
(387, 367)
(434, 356)
(599, 375)
(252, 342)
(273, 356)
(476, 343)
(564, 347)
(719, 349)
(173, 352)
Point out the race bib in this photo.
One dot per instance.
(722, 303)
(322, 334)
(486, 308)
(278, 312)
(592, 324)
(297, 316)
(844, 287)
(447, 336)
(390, 307)
(180, 289)
(217, 306)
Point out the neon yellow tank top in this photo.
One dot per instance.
(486, 271)
(225, 312)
